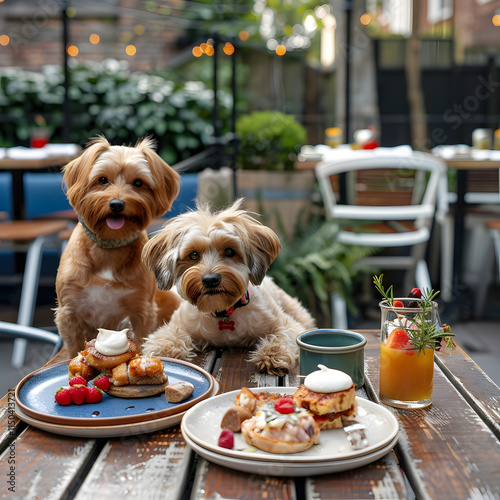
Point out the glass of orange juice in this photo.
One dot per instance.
(406, 355)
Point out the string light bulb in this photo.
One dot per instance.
(365, 19)
(228, 49)
(244, 35)
(281, 50)
(73, 50)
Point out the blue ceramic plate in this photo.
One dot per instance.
(35, 397)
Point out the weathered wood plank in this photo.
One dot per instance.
(10, 425)
(476, 387)
(381, 479)
(435, 446)
(234, 371)
(149, 466)
(46, 466)
(216, 481)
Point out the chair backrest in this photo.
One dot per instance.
(16, 331)
(399, 191)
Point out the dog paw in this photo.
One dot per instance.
(273, 360)
(265, 367)
(167, 349)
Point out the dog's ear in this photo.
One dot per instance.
(167, 179)
(160, 255)
(264, 246)
(76, 172)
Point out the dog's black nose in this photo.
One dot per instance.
(211, 280)
(117, 205)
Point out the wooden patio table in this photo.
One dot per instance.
(449, 450)
(18, 166)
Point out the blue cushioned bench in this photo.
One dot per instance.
(44, 194)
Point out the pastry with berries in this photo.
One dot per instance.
(280, 426)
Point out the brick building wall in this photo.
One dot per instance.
(35, 32)
(473, 25)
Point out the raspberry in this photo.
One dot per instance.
(103, 383)
(63, 396)
(226, 439)
(416, 292)
(78, 380)
(94, 395)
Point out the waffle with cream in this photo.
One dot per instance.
(329, 395)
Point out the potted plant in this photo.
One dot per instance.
(313, 265)
(266, 175)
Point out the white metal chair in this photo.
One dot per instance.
(391, 203)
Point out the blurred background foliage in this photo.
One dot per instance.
(106, 98)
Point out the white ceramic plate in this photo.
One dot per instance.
(289, 469)
(108, 431)
(201, 424)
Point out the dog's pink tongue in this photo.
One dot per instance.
(115, 221)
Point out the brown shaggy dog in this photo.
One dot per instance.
(116, 192)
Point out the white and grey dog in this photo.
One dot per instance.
(218, 262)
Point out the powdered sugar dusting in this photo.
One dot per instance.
(146, 362)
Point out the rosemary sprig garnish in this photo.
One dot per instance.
(388, 294)
(423, 333)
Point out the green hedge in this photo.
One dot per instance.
(106, 98)
(270, 140)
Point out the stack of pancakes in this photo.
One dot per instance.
(327, 408)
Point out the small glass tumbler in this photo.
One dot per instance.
(406, 374)
(39, 137)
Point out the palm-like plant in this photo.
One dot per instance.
(314, 264)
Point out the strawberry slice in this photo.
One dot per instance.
(398, 339)
(284, 405)
(398, 303)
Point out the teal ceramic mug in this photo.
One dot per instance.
(339, 349)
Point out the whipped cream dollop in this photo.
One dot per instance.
(328, 380)
(111, 342)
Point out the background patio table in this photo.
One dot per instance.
(463, 166)
(449, 450)
(18, 161)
